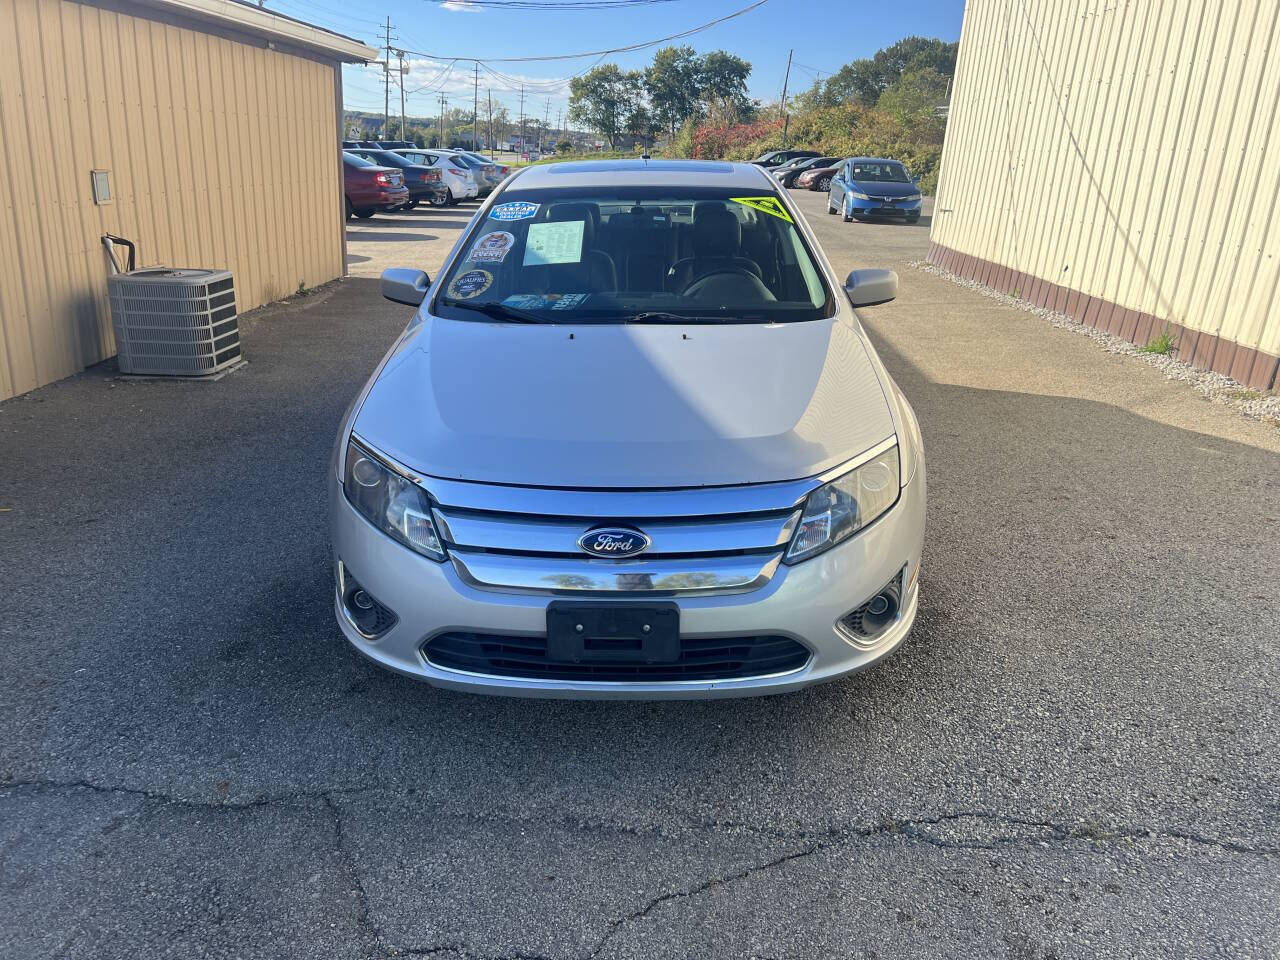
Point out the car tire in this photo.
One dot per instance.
(848, 218)
(411, 205)
(439, 201)
(830, 209)
(823, 184)
(449, 199)
(366, 213)
(347, 201)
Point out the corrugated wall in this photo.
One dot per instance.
(1120, 160)
(222, 154)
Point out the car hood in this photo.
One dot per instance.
(607, 406)
(878, 188)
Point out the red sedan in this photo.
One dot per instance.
(370, 188)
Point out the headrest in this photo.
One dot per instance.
(585, 212)
(716, 233)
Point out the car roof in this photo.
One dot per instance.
(644, 173)
(874, 160)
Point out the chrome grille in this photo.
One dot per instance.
(703, 541)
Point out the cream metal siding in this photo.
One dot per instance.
(1127, 149)
(222, 153)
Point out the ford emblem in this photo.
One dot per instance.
(614, 542)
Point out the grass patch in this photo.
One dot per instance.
(1243, 394)
(1163, 344)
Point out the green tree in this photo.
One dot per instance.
(914, 98)
(724, 86)
(564, 146)
(864, 81)
(642, 124)
(604, 98)
(673, 84)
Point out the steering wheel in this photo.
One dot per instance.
(751, 282)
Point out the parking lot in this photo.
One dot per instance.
(1074, 755)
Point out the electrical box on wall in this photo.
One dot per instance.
(101, 186)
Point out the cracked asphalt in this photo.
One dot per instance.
(1074, 755)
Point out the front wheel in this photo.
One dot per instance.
(449, 198)
(347, 201)
(366, 213)
(830, 209)
(824, 184)
(411, 205)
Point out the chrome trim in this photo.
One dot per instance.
(598, 503)
(578, 575)
(520, 532)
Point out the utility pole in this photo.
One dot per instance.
(400, 81)
(522, 147)
(443, 100)
(546, 120)
(491, 145)
(386, 82)
(786, 122)
(475, 111)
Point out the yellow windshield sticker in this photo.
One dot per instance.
(769, 205)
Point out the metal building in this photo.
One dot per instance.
(1119, 161)
(206, 131)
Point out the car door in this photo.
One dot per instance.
(838, 183)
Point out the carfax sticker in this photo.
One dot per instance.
(470, 284)
(492, 247)
(514, 210)
(769, 205)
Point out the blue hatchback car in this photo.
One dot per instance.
(867, 187)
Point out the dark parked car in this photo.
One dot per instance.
(350, 144)
(395, 144)
(775, 157)
(370, 188)
(426, 184)
(787, 174)
(819, 178)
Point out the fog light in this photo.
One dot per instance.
(870, 620)
(369, 617)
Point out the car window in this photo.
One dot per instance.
(461, 161)
(648, 253)
(389, 159)
(355, 160)
(879, 172)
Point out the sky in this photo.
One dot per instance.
(824, 37)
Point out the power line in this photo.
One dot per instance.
(604, 53)
(551, 4)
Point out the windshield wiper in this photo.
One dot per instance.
(495, 311)
(661, 316)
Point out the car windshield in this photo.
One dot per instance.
(388, 159)
(880, 172)
(353, 160)
(646, 254)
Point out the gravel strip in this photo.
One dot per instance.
(1215, 387)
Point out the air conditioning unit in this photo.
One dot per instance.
(174, 321)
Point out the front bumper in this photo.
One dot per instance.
(874, 208)
(803, 602)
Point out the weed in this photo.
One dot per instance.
(1243, 394)
(302, 288)
(1163, 344)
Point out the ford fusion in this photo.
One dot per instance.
(634, 442)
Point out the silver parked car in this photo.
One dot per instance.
(634, 442)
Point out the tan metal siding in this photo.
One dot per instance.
(222, 153)
(1125, 149)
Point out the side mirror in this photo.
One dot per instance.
(404, 285)
(867, 288)
(916, 181)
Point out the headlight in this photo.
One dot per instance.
(912, 196)
(394, 504)
(858, 196)
(839, 509)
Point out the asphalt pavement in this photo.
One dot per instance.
(1074, 755)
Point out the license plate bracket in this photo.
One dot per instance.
(585, 632)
